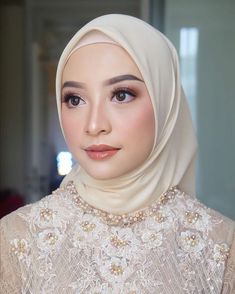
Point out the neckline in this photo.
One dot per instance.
(123, 220)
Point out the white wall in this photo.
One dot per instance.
(215, 98)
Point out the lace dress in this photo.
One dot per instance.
(62, 245)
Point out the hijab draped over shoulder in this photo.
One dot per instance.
(172, 159)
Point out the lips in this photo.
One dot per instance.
(100, 152)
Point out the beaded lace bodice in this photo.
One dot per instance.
(62, 245)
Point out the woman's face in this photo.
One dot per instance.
(107, 115)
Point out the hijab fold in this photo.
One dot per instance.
(172, 160)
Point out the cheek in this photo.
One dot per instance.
(140, 127)
(70, 126)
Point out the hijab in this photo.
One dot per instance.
(172, 159)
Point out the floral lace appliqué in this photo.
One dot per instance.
(166, 248)
(20, 248)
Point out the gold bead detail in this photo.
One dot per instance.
(116, 269)
(50, 238)
(125, 219)
(159, 217)
(192, 240)
(118, 243)
(153, 237)
(46, 213)
(20, 247)
(87, 227)
(223, 251)
(192, 217)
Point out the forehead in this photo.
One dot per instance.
(101, 58)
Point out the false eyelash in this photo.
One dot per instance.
(124, 89)
(66, 97)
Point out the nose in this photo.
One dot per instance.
(98, 121)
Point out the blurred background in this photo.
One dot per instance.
(33, 33)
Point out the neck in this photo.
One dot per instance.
(118, 196)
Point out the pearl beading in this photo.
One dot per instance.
(123, 220)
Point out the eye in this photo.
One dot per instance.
(123, 95)
(73, 100)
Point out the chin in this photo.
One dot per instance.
(105, 170)
(103, 173)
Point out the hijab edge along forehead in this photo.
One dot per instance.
(136, 54)
(172, 160)
(74, 42)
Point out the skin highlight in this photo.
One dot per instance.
(106, 112)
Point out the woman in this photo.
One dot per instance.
(126, 220)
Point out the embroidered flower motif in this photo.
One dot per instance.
(121, 242)
(87, 226)
(163, 219)
(221, 252)
(48, 240)
(118, 243)
(20, 248)
(192, 217)
(46, 214)
(195, 217)
(160, 217)
(115, 270)
(88, 229)
(152, 239)
(191, 241)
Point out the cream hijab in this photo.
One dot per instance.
(172, 160)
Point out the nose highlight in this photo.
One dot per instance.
(97, 122)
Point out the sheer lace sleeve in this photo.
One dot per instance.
(12, 250)
(229, 278)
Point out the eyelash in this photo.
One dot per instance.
(67, 99)
(125, 90)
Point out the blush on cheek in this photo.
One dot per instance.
(139, 131)
(146, 125)
(71, 132)
(143, 121)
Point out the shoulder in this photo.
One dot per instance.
(194, 213)
(206, 233)
(224, 227)
(202, 229)
(34, 229)
(50, 212)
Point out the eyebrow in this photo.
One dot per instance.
(73, 84)
(121, 78)
(108, 82)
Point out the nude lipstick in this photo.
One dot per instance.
(100, 152)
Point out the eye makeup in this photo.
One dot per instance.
(72, 100)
